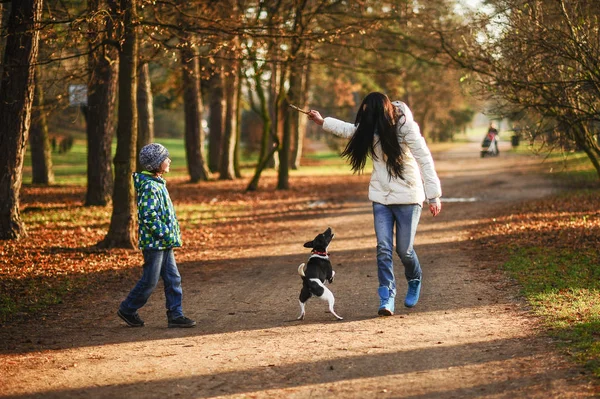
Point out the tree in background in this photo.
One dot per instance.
(178, 32)
(4, 15)
(216, 102)
(231, 71)
(261, 81)
(39, 142)
(103, 62)
(145, 108)
(192, 104)
(390, 49)
(232, 81)
(16, 99)
(299, 121)
(538, 59)
(121, 231)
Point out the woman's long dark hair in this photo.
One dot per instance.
(376, 115)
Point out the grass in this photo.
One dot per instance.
(562, 283)
(563, 288)
(71, 168)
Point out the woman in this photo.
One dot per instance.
(403, 177)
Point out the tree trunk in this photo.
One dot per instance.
(100, 110)
(266, 118)
(585, 139)
(286, 138)
(216, 117)
(192, 106)
(4, 14)
(145, 110)
(39, 143)
(274, 109)
(253, 185)
(238, 125)
(266, 155)
(226, 169)
(286, 143)
(16, 98)
(121, 232)
(303, 119)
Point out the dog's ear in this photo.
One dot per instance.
(309, 244)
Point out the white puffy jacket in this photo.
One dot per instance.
(420, 180)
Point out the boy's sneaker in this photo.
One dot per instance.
(133, 320)
(386, 302)
(181, 322)
(412, 295)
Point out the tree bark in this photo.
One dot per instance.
(216, 117)
(226, 169)
(39, 143)
(192, 106)
(145, 110)
(286, 140)
(263, 163)
(16, 98)
(268, 138)
(266, 118)
(121, 232)
(4, 14)
(274, 108)
(100, 109)
(238, 126)
(299, 127)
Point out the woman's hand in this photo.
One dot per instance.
(316, 117)
(435, 207)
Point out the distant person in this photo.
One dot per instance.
(158, 234)
(490, 142)
(403, 177)
(492, 129)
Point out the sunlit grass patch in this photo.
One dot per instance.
(205, 214)
(552, 249)
(563, 288)
(66, 216)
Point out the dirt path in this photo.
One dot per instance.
(469, 337)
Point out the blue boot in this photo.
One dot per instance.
(412, 295)
(386, 301)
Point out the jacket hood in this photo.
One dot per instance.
(141, 179)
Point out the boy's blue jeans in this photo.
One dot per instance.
(406, 219)
(157, 264)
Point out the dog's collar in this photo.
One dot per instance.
(319, 253)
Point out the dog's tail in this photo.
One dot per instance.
(301, 269)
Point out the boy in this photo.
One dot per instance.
(158, 234)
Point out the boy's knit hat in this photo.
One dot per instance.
(152, 155)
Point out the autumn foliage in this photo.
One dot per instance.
(570, 221)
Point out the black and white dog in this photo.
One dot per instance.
(318, 271)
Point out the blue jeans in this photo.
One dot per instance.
(406, 218)
(157, 264)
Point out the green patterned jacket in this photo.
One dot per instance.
(158, 225)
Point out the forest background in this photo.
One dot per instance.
(138, 69)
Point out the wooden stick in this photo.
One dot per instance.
(298, 109)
